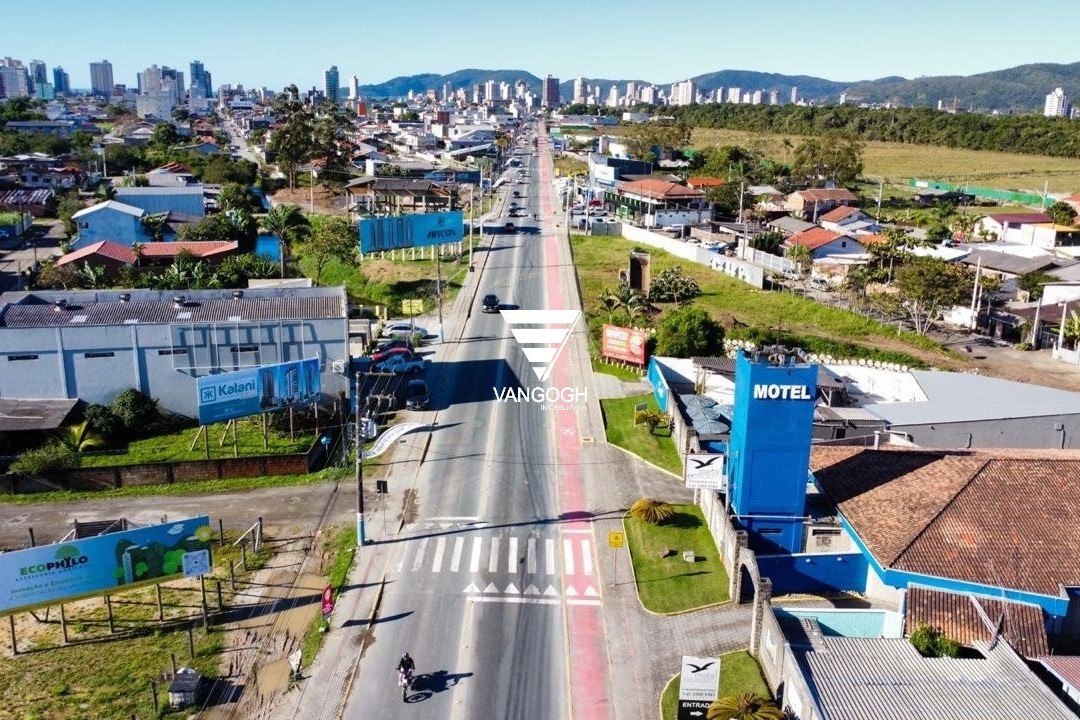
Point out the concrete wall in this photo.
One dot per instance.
(739, 269)
(817, 573)
(1051, 432)
(163, 361)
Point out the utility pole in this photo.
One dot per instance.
(438, 288)
(472, 221)
(361, 540)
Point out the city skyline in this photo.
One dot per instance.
(267, 49)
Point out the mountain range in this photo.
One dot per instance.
(1018, 89)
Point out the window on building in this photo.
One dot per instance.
(17, 358)
(173, 351)
(771, 531)
(245, 348)
(91, 355)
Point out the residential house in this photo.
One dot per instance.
(850, 220)
(788, 225)
(111, 220)
(65, 178)
(1020, 228)
(203, 147)
(822, 243)
(704, 183)
(933, 196)
(164, 253)
(813, 203)
(38, 203)
(108, 255)
(1008, 266)
(398, 196)
(659, 202)
(170, 175)
(188, 200)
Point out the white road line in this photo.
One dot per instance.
(474, 559)
(401, 562)
(583, 602)
(419, 559)
(530, 556)
(455, 559)
(586, 557)
(522, 600)
(511, 556)
(568, 556)
(493, 561)
(576, 532)
(436, 562)
(549, 556)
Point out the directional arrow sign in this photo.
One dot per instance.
(692, 710)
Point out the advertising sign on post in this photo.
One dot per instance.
(409, 231)
(626, 344)
(327, 601)
(699, 684)
(80, 568)
(255, 390)
(705, 471)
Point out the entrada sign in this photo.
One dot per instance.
(782, 392)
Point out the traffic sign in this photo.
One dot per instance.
(616, 539)
(692, 710)
(412, 307)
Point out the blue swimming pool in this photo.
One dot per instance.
(851, 623)
(267, 246)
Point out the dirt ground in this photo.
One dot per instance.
(327, 202)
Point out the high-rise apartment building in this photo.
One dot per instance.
(733, 94)
(683, 93)
(581, 89)
(490, 91)
(648, 94)
(331, 83)
(612, 97)
(38, 74)
(549, 95)
(1057, 104)
(101, 78)
(14, 79)
(201, 77)
(447, 92)
(354, 87)
(61, 81)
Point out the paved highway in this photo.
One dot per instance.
(482, 583)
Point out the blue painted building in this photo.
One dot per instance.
(187, 200)
(112, 221)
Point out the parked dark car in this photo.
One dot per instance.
(387, 354)
(490, 304)
(416, 395)
(393, 344)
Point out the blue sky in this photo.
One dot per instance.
(274, 42)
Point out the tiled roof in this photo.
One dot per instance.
(1066, 668)
(838, 214)
(660, 190)
(872, 239)
(104, 249)
(1001, 519)
(198, 249)
(814, 238)
(969, 620)
(820, 194)
(703, 181)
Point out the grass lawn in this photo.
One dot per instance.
(177, 445)
(616, 371)
(599, 258)
(896, 162)
(568, 165)
(342, 547)
(739, 673)
(657, 448)
(670, 584)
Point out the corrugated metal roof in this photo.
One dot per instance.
(887, 679)
(172, 190)
(20, 414)
(110, 205)
(196, 309)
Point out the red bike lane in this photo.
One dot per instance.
(590, 691)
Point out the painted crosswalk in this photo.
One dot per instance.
(506, 567)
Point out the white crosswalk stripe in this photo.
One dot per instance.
(505, 554)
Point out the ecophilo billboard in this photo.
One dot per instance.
(255, 390)
(79, 568)
(409, 231)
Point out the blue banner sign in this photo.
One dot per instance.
(408, 231)
(262, 389)
(69, 570)
(470, 177)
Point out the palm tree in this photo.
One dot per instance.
(79, 437)
(155, 226)
(93, 277)
(745, 706)
(288, 225)
(610, 302)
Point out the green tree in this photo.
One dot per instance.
(1062, 213)
(234, 196)
(289, 225)
(138, 412)
(654, 140)
(155, 225)
(49, 457)
(673, 285)
(102, 422)
(69, 205)
(293, 142)
(93, 277)
(164, 135)
(745, 706)
(222, 169)
(687, 332)
(235, 271)
(830, 157)
(931, 643)
(768, 242)
(927, 287)
(57, 277)
(1032, 283)
(331, 237)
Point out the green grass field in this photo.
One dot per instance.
(670, 584)
(657, 447)
(897, 162)
(739, 673)
(599, 258)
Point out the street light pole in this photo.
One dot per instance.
(361, 540)
(472, 221)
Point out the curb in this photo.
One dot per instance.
(638, 457)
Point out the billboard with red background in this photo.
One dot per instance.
(626, 344)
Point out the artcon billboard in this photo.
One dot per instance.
(91, 566)
(626, 344)
(262, 389)
(409, 231)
